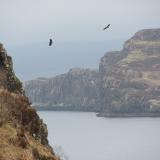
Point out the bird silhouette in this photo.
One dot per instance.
(106, 27)
(50, 42)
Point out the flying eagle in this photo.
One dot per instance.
(50, 42)
(106, 27)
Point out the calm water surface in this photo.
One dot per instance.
(83, 136)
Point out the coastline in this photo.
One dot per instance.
(127, 115)
(98, 114)
(67, 108)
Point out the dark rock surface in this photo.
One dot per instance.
(8, 80)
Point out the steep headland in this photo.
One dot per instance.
(127, 84)
(23, 134)
(130, 79)
(76, 90)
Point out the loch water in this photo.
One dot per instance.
(83, 136)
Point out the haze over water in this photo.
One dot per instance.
(85, 136)
(76, 28)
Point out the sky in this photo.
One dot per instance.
(76, 28)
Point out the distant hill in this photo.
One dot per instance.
(130, 79)
(76, 90)
(127, 83)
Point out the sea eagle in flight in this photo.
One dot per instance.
(106, 27)
(50, 42)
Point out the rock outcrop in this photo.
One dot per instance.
(130, 79)
(76, 90)
(23, 134)
(8, 80)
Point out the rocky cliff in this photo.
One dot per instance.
(127, 84)
(76, 90)
(23, 134)
(130, 79)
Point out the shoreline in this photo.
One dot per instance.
(98, 114)
(67, 108)
(128, 115)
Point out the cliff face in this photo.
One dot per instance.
(23, 134)
(76, 90)
(130, 79)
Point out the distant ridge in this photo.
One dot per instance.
(127, 83)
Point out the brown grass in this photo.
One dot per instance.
(136, 55)
(151, 79)
(11, 150)
(16, 133)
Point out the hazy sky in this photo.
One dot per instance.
(29, 22)
(34, 20)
